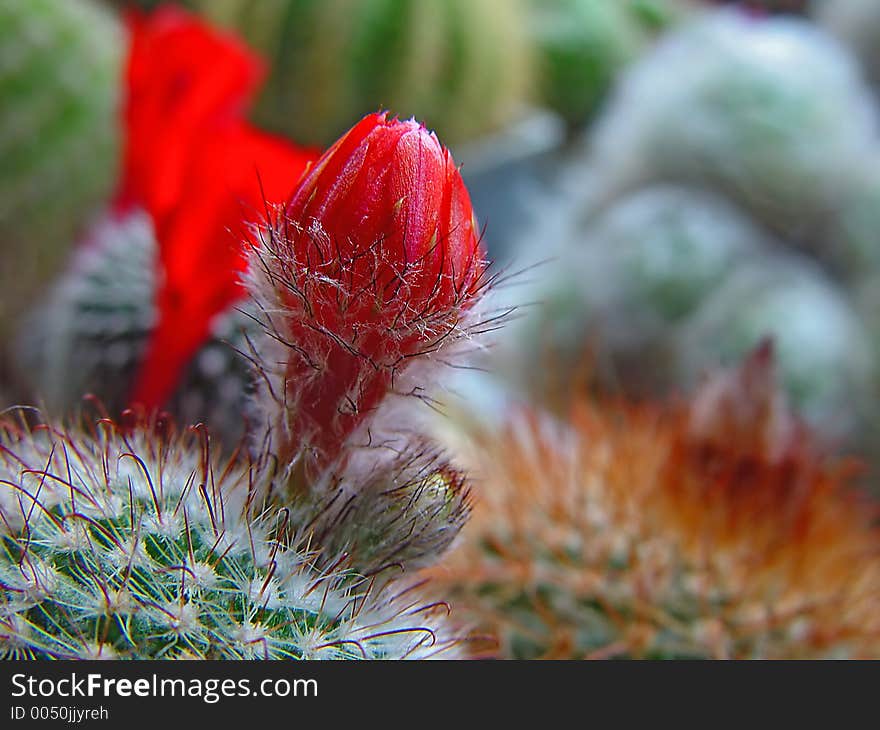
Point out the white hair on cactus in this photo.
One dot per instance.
(79, 579)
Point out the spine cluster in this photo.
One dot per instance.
(146, 545)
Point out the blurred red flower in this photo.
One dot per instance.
(201, 172)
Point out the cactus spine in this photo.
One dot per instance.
(146, 546)
(710, 531)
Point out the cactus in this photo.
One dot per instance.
(628, 276)
(826, 362)
(711, 530)
(583, 44)
(134, 540)
(770, 111)
(59, 88)
(462, 66)
(91, 333)
(145, 545)
(683, 281)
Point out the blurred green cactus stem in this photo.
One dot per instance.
(461, 66)
(583, 44)
(59, 90)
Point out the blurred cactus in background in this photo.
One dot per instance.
(627, 276)
(727, 192)
(583, 44)
(464, 67)
(667, 284)
(770, 111)
(706, 530)
(91, 330)
(826, 362)
(60, 64)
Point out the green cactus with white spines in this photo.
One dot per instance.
(60, 68)
(91, 330)
(461, 66)
(145, 545)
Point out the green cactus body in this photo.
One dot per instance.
(583, 44)
(824, 354)
(626, 280)
(771, 112)
(145, 546)
(60, 64)
(461, 66)
(91, 333)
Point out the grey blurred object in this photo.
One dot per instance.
(857, 24)
(852, 236)
(506, 173)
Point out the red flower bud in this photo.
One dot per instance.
(375, 263)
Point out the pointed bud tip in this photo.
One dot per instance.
(743, 411)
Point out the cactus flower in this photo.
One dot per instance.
(201, 172)
(381, 260)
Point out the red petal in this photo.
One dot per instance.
(182, 78)
(196, 167)
(202, 243)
